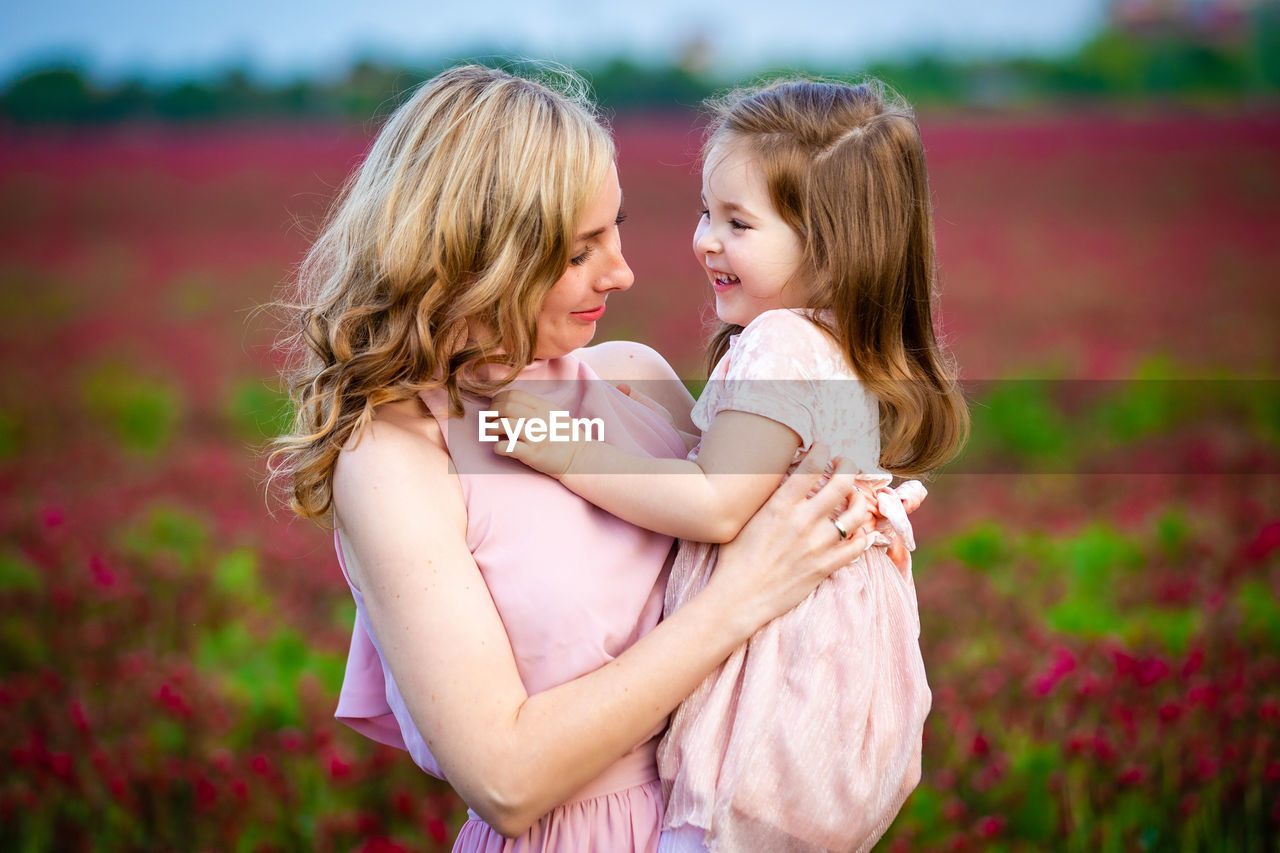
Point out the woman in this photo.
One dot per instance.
(507, 631)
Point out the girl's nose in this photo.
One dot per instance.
(704, 242)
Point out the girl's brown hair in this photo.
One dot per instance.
(845, 168)
(436, 258)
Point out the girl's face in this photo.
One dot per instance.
(596, 268)
(750, 254)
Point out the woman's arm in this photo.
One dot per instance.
(511, 756)
(742, 459)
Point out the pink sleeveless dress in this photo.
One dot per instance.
(808, 737)
(574, 586)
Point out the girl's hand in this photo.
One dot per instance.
(645, 400)
(523, 410)
(793, 543)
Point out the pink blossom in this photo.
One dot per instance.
(1132, 775)
(173, 700)
(291, 740)
(338, 767)
(102, 575)
(1261, 546)
(78, 716)
(1195, 659)
(989, 826)
(1152, 671)
(437, 829)
(206, 793)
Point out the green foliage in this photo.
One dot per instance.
(1113, 64)
(982, 547)
(140, 411)
(1072, 426)
(1088, 563)
(169, 531)
(1138, 409)
(259, 411)
(264, 676)
(235, 575)
(52, 94)
(1262, 401)
(622, 84)
(1172, 534)
(10, 435)
(167, 736)
(1092, 567)
(1020, 417)
(21, 647)
(1094, 554)
(1170, 628)
(1083, 617)
(16, 573)
(344, 613)
(1260, 610)
(1036, 816)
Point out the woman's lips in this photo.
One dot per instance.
(590, 316)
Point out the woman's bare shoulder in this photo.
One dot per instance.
(645, 371)
(402, 440)
(626, 361)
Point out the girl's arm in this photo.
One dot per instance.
(742, 458)
(514, 756)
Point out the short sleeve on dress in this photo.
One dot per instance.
(772, 369)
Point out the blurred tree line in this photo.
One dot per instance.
(1119, 63)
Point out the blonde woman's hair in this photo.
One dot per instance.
(845, 168)
(436, 258)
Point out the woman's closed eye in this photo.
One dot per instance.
(585, 255)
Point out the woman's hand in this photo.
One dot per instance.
(793, 542)
(894, 504)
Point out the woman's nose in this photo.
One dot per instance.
(619, 275)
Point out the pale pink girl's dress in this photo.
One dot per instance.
(574, 586)
(808, 737)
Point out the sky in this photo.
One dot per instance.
(277, 40)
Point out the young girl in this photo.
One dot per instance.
(816, 236)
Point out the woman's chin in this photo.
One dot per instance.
(564, 346)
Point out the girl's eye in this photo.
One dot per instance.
(738, 225)
(579, 260)
(622, 217)
(703, 213)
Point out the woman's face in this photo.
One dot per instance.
(596, 268)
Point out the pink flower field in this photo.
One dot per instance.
(1099, 575)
